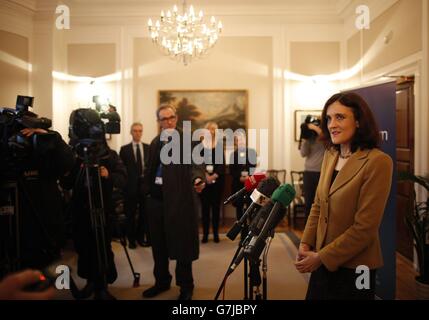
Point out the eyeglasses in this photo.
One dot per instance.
(167, 119)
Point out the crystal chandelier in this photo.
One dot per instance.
(185, 36)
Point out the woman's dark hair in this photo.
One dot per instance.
(367, 134)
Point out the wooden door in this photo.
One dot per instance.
(404, 161)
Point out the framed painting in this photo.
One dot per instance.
(300, 116)
(228, 108)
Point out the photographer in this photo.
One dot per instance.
(32, 160)
(96, 163)
(312, 149)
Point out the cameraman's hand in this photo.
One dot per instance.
(104, 172)
(28, 132)
(12, 287)
(315, 128)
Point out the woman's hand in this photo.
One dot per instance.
(310, 262)
(303, 247)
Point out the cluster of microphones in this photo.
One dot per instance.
(268, 207)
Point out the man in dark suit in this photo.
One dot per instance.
(135, 156)
(172, 209)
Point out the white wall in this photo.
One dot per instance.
(235, 63)
(273, 94)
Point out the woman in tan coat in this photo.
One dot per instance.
(342, 230)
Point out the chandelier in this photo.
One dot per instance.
(184, 36)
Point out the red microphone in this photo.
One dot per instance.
(249, 185)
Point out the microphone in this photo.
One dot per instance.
(264, 191)
(236, 262)
(249, 185)
(282, 197)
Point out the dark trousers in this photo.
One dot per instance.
(137, 229)
(210, 201)
(311, 180)
(184, 278)
(338, 285)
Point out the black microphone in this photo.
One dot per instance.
(236, 262)
(254, 230)
(259, 221)
(264, 191)
(249, 185)
(282, 197)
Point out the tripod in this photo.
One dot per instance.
(90, 174)
(14, 216)
(119, 221)
(10, 252)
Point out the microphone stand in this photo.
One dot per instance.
(244, 232)
(241, 245)
(228, 272)
(265, 266)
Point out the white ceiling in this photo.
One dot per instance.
(323, 6)
(283, 11)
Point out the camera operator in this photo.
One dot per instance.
(87, 131)
(312, 149)
(41, 246)
(32, 160)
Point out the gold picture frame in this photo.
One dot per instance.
(228, 108)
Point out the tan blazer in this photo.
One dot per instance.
(344, 219)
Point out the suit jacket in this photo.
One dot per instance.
(130, 161)
(180, 202)
(345, 217)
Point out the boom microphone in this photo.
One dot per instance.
(264, 191)
(249, 185)
(282, 197)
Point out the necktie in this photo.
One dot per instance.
(139, 160)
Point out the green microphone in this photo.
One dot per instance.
(281, 197)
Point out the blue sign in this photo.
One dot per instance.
(382, 101)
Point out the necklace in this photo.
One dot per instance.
(346, 156)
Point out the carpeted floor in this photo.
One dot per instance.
(284, 282)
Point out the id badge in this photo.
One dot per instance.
(158, 178)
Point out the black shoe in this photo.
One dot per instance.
(132, 245)
(143, 243)
(154, 291)
(85, 293)
(205, 239)
(216, 238)
(185, 294)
